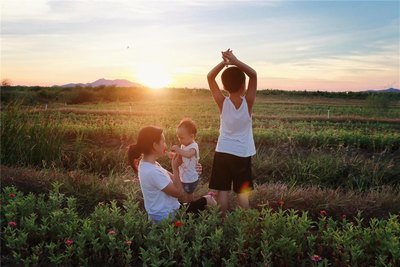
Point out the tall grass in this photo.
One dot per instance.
(349, 152)
(29, 141)
(353, 155)
(340, 167)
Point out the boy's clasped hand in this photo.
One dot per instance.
(228, 57)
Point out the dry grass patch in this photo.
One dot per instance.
(91, 189)
(374, 203)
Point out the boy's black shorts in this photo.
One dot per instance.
(228, 169)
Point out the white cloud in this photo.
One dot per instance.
(23, 9)
(187, 38)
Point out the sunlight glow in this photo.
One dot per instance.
(154, 76)
(245, 188)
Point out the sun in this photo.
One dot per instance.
(154, 76)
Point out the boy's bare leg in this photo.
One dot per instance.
(243, 200)
(223, 201)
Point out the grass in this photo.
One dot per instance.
(320, 183)
(26, 140)
(89, 190)
(349, 152)
(296, 143)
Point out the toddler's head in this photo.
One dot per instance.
(186, 131)
(233, 80)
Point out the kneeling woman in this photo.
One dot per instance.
(161, 189)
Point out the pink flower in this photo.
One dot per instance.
(344, 216)
(281, 202)
(178, 224)
(11, 195)
(111, 232)
(12, 224)
(69, 242)
(323, 212)
(128, 242)
(316, 258)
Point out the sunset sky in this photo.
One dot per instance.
(293, 45)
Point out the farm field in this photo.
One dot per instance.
(327, 175)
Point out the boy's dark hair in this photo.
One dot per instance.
(233, 79)
(189, 125)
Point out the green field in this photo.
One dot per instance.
(335, 152)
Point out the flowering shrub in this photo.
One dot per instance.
(48, 230)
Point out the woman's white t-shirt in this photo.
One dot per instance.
(187, 170)
(236, 130)
(154, 178)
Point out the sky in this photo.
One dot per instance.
(293, 45)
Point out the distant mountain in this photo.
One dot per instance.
(105, 82)
(389, 90)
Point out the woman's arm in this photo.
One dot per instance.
(175, 188)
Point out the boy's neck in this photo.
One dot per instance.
(235, 96)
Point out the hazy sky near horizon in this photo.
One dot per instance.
(293, 45)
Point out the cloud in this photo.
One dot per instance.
(282, 39)
(23, 9)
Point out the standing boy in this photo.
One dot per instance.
(235, 146)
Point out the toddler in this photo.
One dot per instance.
(189, 150)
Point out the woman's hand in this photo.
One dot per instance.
(174, 148)
(199, 168)
(171, 154)
(176, 161)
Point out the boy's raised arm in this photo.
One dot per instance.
(252, 87)
(215, 91)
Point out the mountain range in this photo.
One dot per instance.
(126, 83)
(389, 90)
(105, 82)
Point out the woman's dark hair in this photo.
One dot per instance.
(233, 79)
(144, 144)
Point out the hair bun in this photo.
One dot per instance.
(134, 151)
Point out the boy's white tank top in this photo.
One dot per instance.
(236, 130)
